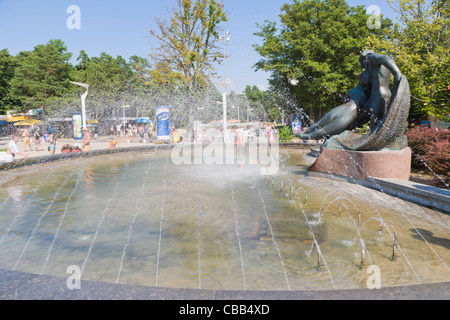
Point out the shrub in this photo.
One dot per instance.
(285, 134)
(432, 147)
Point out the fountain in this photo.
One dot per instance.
(136, 217)
(370, 101)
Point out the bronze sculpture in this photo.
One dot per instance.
(371, 100)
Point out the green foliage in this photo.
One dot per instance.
(285, 134)
(317, 45)
(7, 66)
(41, 79)
(104, 74)
(266, 104)
(40, 74)
(187, 45)
(419, 42)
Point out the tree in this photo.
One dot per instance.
(140, 68)
(264, 103)
(420, 44)
(110, 80)
(103, 72)
(187, 48)
(40, 75)
(313, 56)
(7, 66)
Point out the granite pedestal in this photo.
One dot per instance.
(363, 164)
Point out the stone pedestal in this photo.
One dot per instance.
(363, 164)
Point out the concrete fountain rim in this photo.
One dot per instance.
(27, 286)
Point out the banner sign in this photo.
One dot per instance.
(163, 122)
(296, 124)
(77, 124)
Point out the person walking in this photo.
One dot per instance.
(86, 140)
(141, 133)
(27, 139)
(239, 141)
(37, 138)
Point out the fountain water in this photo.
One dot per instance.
(177, 219)
(137, 213)
(137, 218)
(161, 222)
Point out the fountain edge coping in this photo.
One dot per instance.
(423, 195)
(16, 285)
(82, 154)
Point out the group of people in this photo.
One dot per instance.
(67, 148)
(236, 135)
(27, 134)
(12, 149)
(131, 131)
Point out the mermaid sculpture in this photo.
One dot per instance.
(371, 100)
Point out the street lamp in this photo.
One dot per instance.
(83, 99)
(249, 109)
(225, 38)
(282, 115)
(123, 113)
(225, 84)
(234, 107)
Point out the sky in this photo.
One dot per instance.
(121, 28)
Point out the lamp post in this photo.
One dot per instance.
(249, 109)
(234, 107)
(225, 38)
(282, 115)
(83, 99)
(123, 114)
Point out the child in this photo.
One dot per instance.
(112, 143)
(76, 148)
(67, 148)
(52, 143)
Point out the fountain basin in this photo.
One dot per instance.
(213, 228)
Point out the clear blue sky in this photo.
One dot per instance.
(121, 28)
